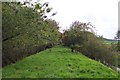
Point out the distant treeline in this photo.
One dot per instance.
(114, 40)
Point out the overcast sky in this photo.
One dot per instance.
(103, 14)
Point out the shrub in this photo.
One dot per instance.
(79, 38)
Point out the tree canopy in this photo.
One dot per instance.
(26, 30)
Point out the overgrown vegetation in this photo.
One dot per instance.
(26, 30)
(81, 37)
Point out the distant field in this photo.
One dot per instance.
(110, 42)
(58, 62)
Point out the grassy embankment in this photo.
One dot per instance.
(58, 62)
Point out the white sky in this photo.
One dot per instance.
(103, 14)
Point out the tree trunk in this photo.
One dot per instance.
(72, 50)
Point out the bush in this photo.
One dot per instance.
(79, 38)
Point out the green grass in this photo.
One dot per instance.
(110, 42)
(60, 62)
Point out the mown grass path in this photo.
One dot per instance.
(58, 62)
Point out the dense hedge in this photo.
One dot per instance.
(25, 31)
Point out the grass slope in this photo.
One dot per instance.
(60, 62)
